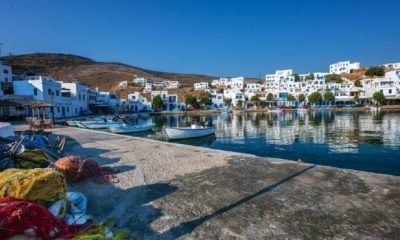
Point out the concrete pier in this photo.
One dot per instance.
(169, 191)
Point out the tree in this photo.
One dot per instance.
(296, 77)
(333, 78)
(205, 98)
(291, 98)
(315, 97)
(270, 97)
(329, 96)
(375, 71)
(301, 97)
(378, 97)
(310, 76)
(191, 100)
(356, 99)
(228, 101)
(157, 103)
(239, 104)
(357, 83)
(255, 99)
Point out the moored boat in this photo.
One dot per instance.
(99, 125)
(194, 131)
(131, 128)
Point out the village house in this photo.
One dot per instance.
(343, 67)
(200, 85)
(395, 66)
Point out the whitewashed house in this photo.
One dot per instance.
(237, 83)
(217, 99)
(395, 66)
(5, 78)
(79, 96)
(148, 87)
(46, 90)
(140, 81)
(123, 84)
(170, 101)
(235, 95)
(343, 67)
(200, 85)
(136, 102)
(172, 84)
(108, 100)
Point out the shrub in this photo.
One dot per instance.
(315, 97)
(375, 71)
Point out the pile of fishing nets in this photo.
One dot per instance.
(76, 169)
(28, 159)
(29, 220)
(41, 185)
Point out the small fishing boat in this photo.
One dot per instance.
(72, 123)
(194, 131)
(99, 125)
(131, 128)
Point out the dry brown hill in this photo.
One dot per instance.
(103, 75)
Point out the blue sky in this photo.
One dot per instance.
(221, 38)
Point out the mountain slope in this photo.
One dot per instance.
(103, 75)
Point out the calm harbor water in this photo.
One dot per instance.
(365, 141)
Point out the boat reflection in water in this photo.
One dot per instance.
(367, 141)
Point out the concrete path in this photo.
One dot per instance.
(169, 191)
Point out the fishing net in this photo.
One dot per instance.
(28, 159)
(76, 169)
(41, 185)
(21, 219)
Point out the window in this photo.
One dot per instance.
(6, 78)
(390, 91)
(49, 92)
(79, 97)
(5, 71)
(67, 109)
(76, 110)
(35, 91)
(58, 109)
(57, 93)
(84, 97)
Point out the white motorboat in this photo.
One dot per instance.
(131, 128)
(99, 125)
(72, 123)
(194, 131)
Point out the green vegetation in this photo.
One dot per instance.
(239, 104)
(357, 83)
(333, 78)
(270, 97)
(192, 101)
(375, 71)
(329, 96)
(205, 99)
(296, 77)
(157, 103)
(356, 99)
(291, 98)
(315, 97)
(228, 101)
(301, 97)
(310, 77)
(255, 98)
(378, 97)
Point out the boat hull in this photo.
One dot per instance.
(185, 133)
(99, 125)
(130, 129)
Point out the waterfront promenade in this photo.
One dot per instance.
(168, 191)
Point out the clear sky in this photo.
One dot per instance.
(222, 38)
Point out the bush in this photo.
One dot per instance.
(378, 97)
(333, 78)
(315, 97)
(291, 98)
(191, 100)
(357, 83)
(301, 97)
(157, 103)
(329, 96)
(205, 98)
(375, 71)
(270, 97)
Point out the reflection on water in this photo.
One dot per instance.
(357, 140)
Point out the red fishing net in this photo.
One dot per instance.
(29, 219)
(76, 169)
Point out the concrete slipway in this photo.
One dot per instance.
(169, 191)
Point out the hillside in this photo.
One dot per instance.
(103, 75)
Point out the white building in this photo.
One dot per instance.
(235, 83)
(135, 102)
(148, 87)
(46, 90)
(235, 95)
(217, 99)
(5, 78)
(123, 84)
(172, 84)
(79, 96)
(343, 67)
(201, 85)
(108, 99)
(388, 85)
(395, 66)
(140, 81)
(170, 101)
